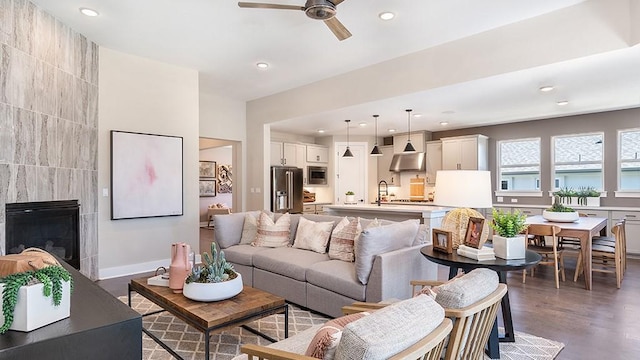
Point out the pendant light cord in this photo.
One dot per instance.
(409, 124)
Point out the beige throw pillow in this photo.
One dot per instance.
(343, 239)
(250, 226)
(313, 235)
(324, 343)
(272, 234)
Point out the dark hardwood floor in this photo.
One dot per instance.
(600, 324)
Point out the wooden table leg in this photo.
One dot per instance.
(585, 248)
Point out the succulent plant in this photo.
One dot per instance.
(214, 268)
(558, 207)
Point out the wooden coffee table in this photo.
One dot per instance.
(251, 304)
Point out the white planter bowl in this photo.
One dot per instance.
(560, 216)
(509, 248)
(213, 291)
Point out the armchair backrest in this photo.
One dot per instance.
(430, 347)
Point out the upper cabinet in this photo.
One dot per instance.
(317, 154)
(434, 160)
(384, 161)
(287, 154)
(465, 153)
(400, 141)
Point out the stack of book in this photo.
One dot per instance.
(486, 253)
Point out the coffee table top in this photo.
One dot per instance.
(207, 315)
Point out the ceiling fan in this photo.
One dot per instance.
(316, 9)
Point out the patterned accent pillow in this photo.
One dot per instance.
(324, 343)
(250, 226)
(343, 239)
(313, 235)
(272, 234)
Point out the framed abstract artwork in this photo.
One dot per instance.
(146, 175)
(225, 179)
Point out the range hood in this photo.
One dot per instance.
(408, 162)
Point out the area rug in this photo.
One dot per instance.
(189, 343)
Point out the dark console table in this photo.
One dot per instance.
(100, 327)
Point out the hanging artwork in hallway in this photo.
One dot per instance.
(225, 182)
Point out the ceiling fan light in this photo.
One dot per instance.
(409, 148)
(376, 151)
(320, 10)
(386, 15)
(347, 153)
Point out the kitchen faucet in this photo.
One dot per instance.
(386, 189)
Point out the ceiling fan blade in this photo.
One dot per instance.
(336, 2)
(338, 29)
(269, 6)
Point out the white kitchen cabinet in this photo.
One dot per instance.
(288, 154)
(384, 161)
(434, 160)
(400, 141)
(465, 153)
(632, 229)
(317, 154)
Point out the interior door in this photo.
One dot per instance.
(351, 173)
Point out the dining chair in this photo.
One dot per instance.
(610, 240)
(551, 255)
(569, 243)
(606, 256)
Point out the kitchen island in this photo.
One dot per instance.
(431, 216)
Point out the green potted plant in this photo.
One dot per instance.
(43, 296)
(509, 243)
(214, 280)
(588, 196)
(565, 195)
(350, 197)
(560, 213)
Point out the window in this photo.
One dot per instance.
(519, 165)
(577, 161)
(629, 160)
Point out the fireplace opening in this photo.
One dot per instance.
(49, 225)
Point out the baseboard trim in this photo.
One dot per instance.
(127, 270)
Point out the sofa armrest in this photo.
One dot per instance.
(263, 352)
(393, 271)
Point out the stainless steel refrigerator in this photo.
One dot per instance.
(286, 189)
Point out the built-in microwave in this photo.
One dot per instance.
(317, 175)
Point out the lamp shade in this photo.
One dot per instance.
(463, 188)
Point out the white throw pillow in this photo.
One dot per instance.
(313, 235)
(382, 239)
(250, 226)
(272, 234)
(343, 239)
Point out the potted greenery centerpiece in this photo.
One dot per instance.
(34, 298)
(560, 213)
(509, 243)
(214, 280)
(350, 197)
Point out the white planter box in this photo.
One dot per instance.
(509, 248)
(591, 202)
(34, 310)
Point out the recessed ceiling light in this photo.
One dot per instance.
(392, 130)
(89, 12)
(321, 131)
(386, 15)
(362, 124)
(417, 115)
(546, 88)
(443, 123)
(262, 65)
(562, 103)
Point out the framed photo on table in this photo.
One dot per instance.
(442, 241)
(473, 237)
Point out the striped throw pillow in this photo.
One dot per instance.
(272, 234)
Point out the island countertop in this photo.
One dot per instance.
(387, 208)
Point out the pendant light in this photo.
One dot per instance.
(348, 152)
(409, 147)
(376, 150)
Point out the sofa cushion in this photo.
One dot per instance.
(382, 239)
(228, 229)
(337, 276)
(286, 261)
(312, 235)
(422, 237)
(324, 343)
(250, 226)
(390, 330)
(273, 234)
(343, 239)
(242, 254)
(463, 291)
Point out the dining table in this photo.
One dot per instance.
(584, 229)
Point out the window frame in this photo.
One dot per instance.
(553, 160)
(623, 193)
(520, 193)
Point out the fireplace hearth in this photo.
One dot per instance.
(49, 225)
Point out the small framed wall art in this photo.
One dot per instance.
(473, 237)
(442, 241)
(208, 169)
(207, 187)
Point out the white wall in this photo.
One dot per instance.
(222, 156)
(141, 95)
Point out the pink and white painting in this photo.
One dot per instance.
(146, 175)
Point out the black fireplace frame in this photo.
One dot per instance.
(14, 210)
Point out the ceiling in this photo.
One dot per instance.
(224, 43)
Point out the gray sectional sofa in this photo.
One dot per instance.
(315, 281)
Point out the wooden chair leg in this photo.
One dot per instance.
(578, 265)
(555, 266)
(524, 276)
(562, 266)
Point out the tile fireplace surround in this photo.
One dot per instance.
(48, 118)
